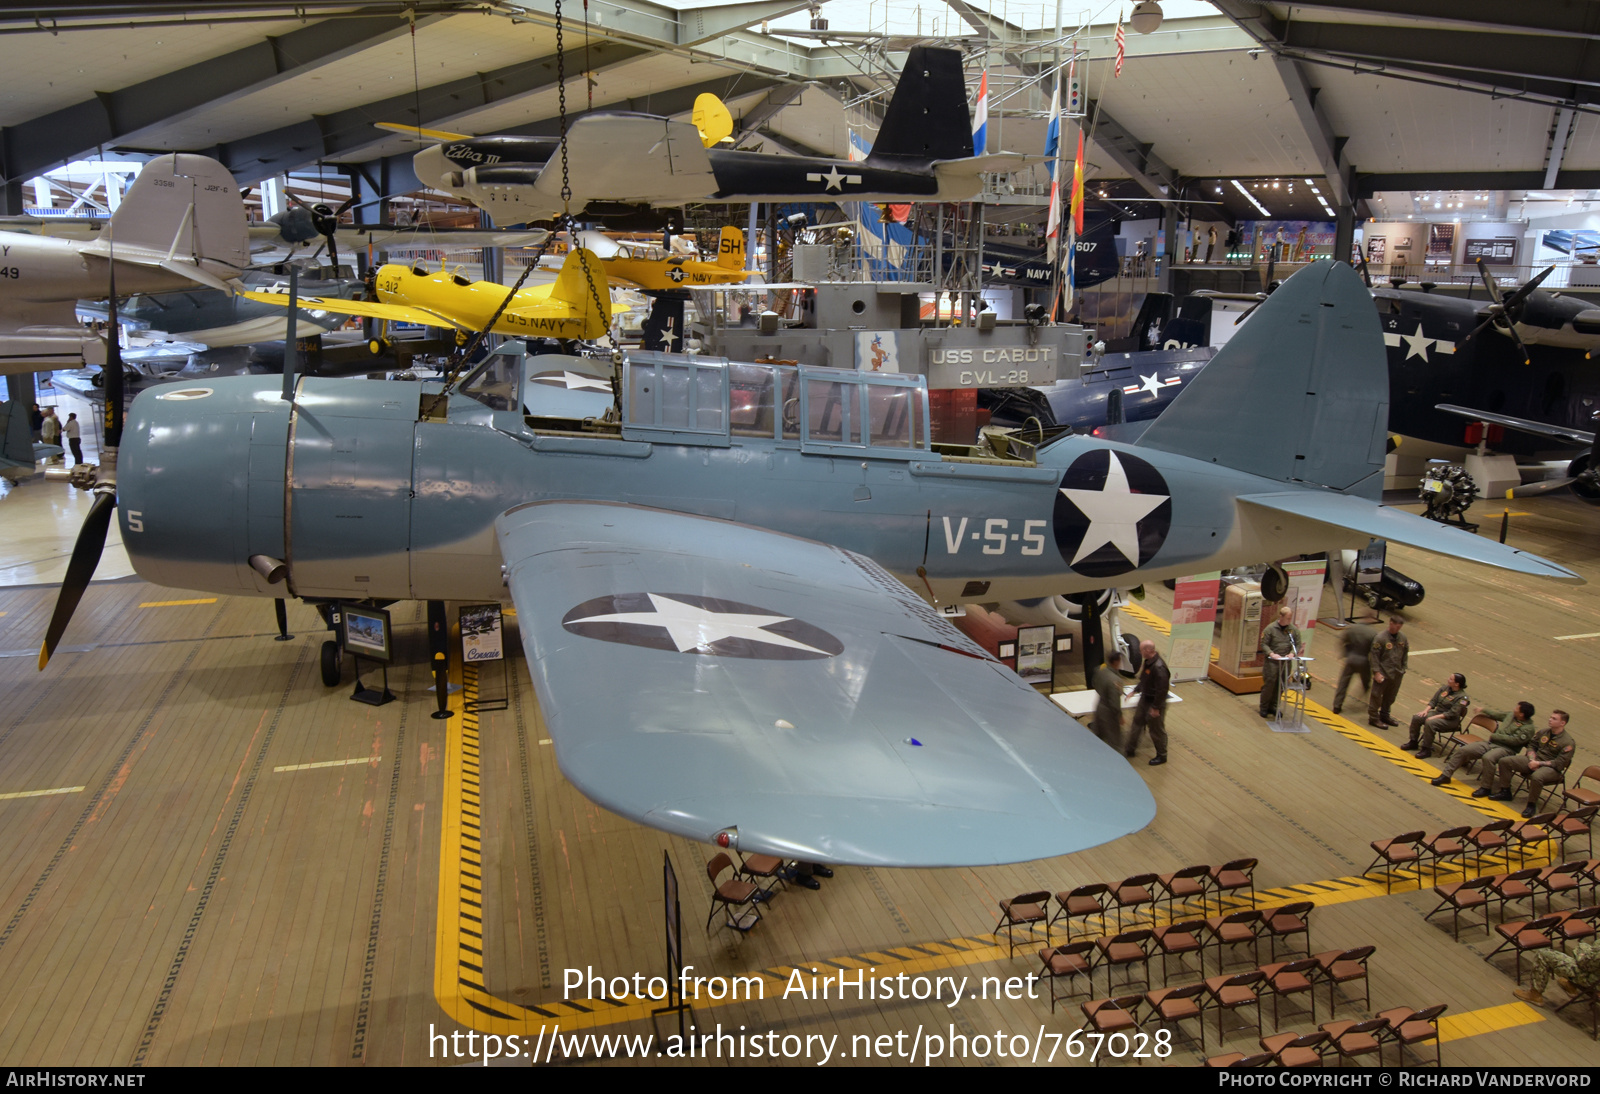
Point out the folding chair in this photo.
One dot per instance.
(1591, 877)
(1235, 929)
(1067, 962)
(1538, 791)
(1353, 1039)
(1286, 978)
(1023, 910)
(1489, 839)
(1177, 939)
(1592, 997)
(731, 894)
(1108, 1016)
(1081, 903)
(1239, 1059)
(1286, 922)
(1580, 795)
(1517, 885)
(1175, 1004)
(1578, 925)
(1231, 993)
(1563, 877)
(1456, 738)
(1571, 824)
(1395, 854)
(1184, 885)
(1339, 967)
(1133, 892)
(1126, 949)
(1446, 845)
(1524, 937)
(1525, 834)
(1463, 896)
(1233, 876)
(768, 867)
(1408, 1028)
(1296, 1049)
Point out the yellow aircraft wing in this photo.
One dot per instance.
(398, 313)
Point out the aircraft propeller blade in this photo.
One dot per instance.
(1366, 272)
(85, 557)
(1543, 486)
(1488, 283)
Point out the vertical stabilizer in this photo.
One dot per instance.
(581, 285)
(183, 209)
(1300, 394)
(730, 251)
(927, 117)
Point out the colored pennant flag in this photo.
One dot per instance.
(1077, 188)
(1052, 145)
(1121, 44)
(980, 119)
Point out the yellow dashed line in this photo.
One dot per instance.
(177, 603)
(1453, 1027)
(40, 793)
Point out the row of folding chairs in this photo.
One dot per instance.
(1403, 1027)
(1545, 932)
(1131, 951)
(1474, 896)
(1416, 851)
(1577, 795)
(1137, 894)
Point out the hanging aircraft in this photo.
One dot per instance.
(652, 268)
(181, 222)
(576, 305)
(619, 161)
(753, 548)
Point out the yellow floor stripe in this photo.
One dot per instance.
(1453, 1027)
(330, 763)
(40, 793)
(177, 603)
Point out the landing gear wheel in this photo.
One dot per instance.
(1274, 583)
(332, 664)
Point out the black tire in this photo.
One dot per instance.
(332, 664)
(1274, 583)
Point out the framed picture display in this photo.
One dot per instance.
(366, 632)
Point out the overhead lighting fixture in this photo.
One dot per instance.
(1274, 184)
(1146, 17)
(1251, 198)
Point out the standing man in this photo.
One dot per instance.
(1443, 714)
(1390, 656)
(1280, 641)
(1107, 720)
(1154, 679)
(1516, 730)
(73, 431)
(1211, 243)
(1544, 762)
(1357, 648)
(50, 431)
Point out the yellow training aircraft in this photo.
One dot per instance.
(650, 267)
(576, 305)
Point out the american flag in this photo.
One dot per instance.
(1121, 44)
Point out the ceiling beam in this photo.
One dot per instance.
(1547, 16)
(1318, 130)
(1153, 174)
(32, 147)
(1367, 185)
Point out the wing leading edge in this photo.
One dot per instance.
(700, 675)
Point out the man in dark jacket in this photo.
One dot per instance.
(1107, 720)
(1154, 679)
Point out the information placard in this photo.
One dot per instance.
(481, 633)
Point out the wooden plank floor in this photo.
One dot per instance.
(194, 904)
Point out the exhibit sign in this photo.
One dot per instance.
(1499, 251)
(1441, 244)
(481, 633)
(366, 632)
(1036, 656)
(1305, 596)
(1194, 617)
(1369, 564)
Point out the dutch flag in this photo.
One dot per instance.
(1052, 142)
(980, 118)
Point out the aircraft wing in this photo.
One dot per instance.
(699, 675)
(1522, 425)
(1381, 522)
(631, 157)
(397, 313)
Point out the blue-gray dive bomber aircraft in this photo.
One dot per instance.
(744, 562)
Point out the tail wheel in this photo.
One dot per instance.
(332, 664)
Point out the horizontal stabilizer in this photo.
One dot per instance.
(977, 165)
(1397, 526)
(1521, 425)
(181, 206)
(631, 158)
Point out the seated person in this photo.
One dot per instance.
(1544, 762)
(1515, 731)
(1442, 714)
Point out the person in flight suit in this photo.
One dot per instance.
(1443, 714)
(1107, 720)
(1544, 762)
(1389, 657)
(1154, 679)
(1516, 730)
(1357, 648)
(1281, 638)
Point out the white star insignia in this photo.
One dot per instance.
(693, 628)
(1416, 344)
(576, 381)
(834, 179)
(1152, 383)
(1114, 514)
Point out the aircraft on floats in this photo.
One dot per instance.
(181, 222)
(620, 162)
(576, 305)
(759, 551)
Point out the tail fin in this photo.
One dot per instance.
(16, 435)
(927, 117)
(730, 252)
(1305, 383)
(581, 285)
(183, 212)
